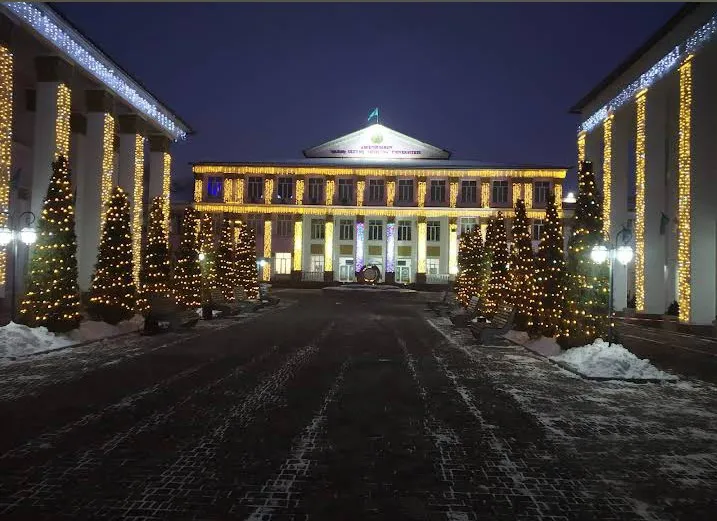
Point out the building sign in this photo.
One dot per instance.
(377, 142)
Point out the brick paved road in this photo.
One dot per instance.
(335, 409)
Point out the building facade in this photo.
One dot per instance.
(375, 197)
(650, 129)
(61, 96)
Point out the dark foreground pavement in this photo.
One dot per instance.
(331, 409)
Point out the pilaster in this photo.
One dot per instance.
(623, 133)
(160, 172)
(328, 248)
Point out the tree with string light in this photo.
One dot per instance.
(53, 296)
(551, 277)
(155, 272)
(113, 295)
(522, 270)
(226, 273)
(245, 265)
(585, 317)
(473, 267)
(188, 272)
(496, 244)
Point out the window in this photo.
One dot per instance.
(405, 191)
(316, 190)
(468, 225)
(285, 188)
(433, 266)
(346, 191)
(255, 189)
(538, 225)
(438, 190)
(469, 192)
(317, 228)
(346, 230)
(404, 230)
(375, 190)
(433, 230)
(500, 192)
(375, 230)
(541, 191)
(256, 223)
(284, 225)
(282, 264)
(214, 186)
(316, 263)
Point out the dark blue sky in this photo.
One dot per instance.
(490, 82)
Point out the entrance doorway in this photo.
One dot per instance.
(403, 271)
(346, 269)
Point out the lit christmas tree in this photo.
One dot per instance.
(188, 272)
(473, 266)
(522, 270)
(113, 295)
(588, 283)
(155, 275)
(496, 244)
(208, 250)
(245, 265)
(550, 274)
(53, 297)
(226, 276)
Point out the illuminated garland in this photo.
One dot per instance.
(607, 175)
(137, 208)
(473, 261)
(422, 231)
(108, 154)
(298, 244)
(266, 271)
(496, 244)
(452, 248)
(228, 195)
(453, 193)
(528, 195)
(187, 275)
(226, 274)
(329, 192)
(390, 247)
(640, 202)
(359, 245)
(485, 194)
(299, 191)
(558, 191)
(6, 92)
(155, 275)
(207, 248)
(581, 145)
(550, 275)
(421, 193)
(166, 186)
(390, 192)
(62, 121)
(268, 190)
(516, 193)
(198, 191)
(239, 187)
(522, 270)
(329, 245)
(245, 265)
(684, 211)
(360, 191)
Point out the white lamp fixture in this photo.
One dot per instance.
(28, 235)
(624, 255)
(202, 256)
(5, 236)
(262, 263)
(599, 253)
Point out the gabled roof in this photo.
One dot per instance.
(377, 143)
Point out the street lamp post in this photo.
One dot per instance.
(611, 252)
(10, 234)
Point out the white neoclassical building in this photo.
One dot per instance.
(651, 128)
(61, 95)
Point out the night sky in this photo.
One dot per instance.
(261, 82)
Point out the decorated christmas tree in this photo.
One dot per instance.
(226, 274)
(245, 263)
(207, 251)
(496, 244)
(155, 275)
(188, 272)
(473, 268)
(113, 295)
(53, 297)
(585, 316)
(522, 269)
(550, 274)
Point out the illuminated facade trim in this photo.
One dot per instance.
(640, 202)
(360, 191)
(108, 152)
(581, 145)
(268, 190)
(62, 122)
(6, 95)
(390, 247)
(329, 245)
(298, 244)
(137, 210)
(266, 270)
(421, 226)
(166, 185)
(684, 209)
(607, 175)
(359, 245)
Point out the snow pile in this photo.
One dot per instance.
(19, 340)
(599, 360)
(517, 337)
(215, 312)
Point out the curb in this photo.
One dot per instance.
(68, 346)
(570, 368)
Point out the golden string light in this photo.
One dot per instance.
(528, 195)
(485, 193)
(607, 174)
(453, 193)
(452, 248)
(581, 146)
(640, 201)
(62, 121)
(197, 190)
(330, 191)
(516, 192)
(360, 190)
(300, 190)
(421, 193)
(298, 244)
(228, 190)
(239, 189)
(108, 154)
(166, 185)
(558, 191)
(422, 230)
(684, 211)
(6, 91)
(268, 189)
(391, 192)
(329, 245)
(137, 198)
(266, 270)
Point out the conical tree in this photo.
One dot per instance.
(550, 274)
(497, 246)
(188, 272)
(208, 256)
(473, 266)
(246, 272)
(588, 283)
(113, 295)
(522, 270)
(155, 275)
(53, 297)
(226, 275)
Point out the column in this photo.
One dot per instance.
(6, 116)
(685, 194)
(329, 248)
(78, 134)
(421, 194)
(160, 172)
(52, 124)
(266, 270)
(131, 179)
(360, 244)
(299, 199)
(594, 150)
(390, 276)
(623, 132)
(239, 188)
(452, 247)
(297, 258)
(390, 191)
(94, 184)
(703, 205)
(421, 253)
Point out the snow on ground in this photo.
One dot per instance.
(610, 361)
(19, 340)
(369, 289)
(215, 312)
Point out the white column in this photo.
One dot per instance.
(130, 177)
(623, 133)
(704, 174)
(593, 151)
(78, 127)
(160, 162)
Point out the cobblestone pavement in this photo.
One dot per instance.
(342, 409)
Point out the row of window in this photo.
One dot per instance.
(376, 190)
(283, 264)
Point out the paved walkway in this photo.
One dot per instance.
(341, 409)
